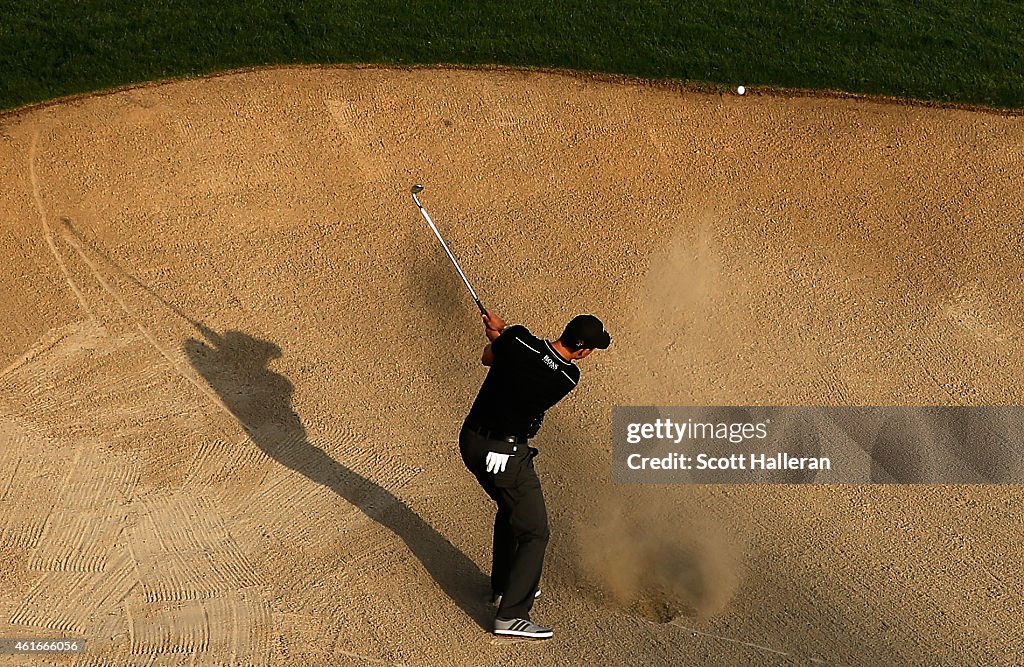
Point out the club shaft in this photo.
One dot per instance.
(455, 262)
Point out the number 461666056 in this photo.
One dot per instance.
(43, 645)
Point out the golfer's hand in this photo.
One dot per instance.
(494, 324)
(496, 462)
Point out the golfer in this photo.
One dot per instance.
(527, 376)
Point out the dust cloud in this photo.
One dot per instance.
(642, 549)
(651, 562)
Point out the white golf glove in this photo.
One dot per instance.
(496, 462)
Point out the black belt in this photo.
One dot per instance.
(491, 434)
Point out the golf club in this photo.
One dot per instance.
(416, 189)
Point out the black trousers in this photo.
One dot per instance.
(520, 524)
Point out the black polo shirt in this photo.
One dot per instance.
(527, 377)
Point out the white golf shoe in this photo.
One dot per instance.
(520, 627)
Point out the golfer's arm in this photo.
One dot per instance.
(488, 357)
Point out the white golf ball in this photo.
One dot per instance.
(741, 90)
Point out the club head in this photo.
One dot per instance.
(416, 190)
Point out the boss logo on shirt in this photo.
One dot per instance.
(551, 362)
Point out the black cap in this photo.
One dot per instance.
(586, 331)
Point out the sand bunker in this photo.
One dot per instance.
(235, 362)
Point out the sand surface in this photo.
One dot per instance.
(234, 362)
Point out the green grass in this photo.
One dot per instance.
(943, 50)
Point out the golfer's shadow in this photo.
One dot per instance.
(235, 366)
